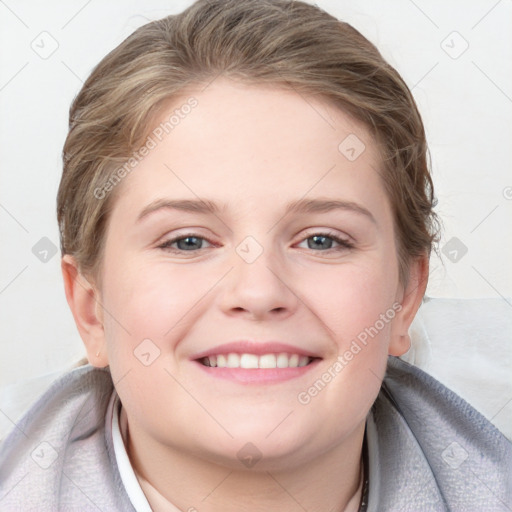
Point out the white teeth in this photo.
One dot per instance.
(268, 361)
(248, 361)
(282, 361)
(303, 361)
(234, 360)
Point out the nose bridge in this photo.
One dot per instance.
(257, 283)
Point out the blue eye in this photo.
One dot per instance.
(325, 242)
(184, 243)
(318, 242)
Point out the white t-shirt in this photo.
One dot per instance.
(130, 482)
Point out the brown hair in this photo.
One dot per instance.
(276, 42)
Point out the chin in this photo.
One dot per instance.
(258, 448)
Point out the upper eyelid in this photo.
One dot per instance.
(314, 231)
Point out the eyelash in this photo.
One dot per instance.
(343, 243)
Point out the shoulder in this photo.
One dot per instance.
(427, 403)
(430, 448)
(63, 398)
(57, 454)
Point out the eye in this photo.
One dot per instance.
(324, 242)
(319, 242)
(189, 242)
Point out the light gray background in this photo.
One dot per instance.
(465, 98)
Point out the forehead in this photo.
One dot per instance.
(241, 144)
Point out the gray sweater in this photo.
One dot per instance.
(428, 450)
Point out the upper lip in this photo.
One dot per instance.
(254, 347)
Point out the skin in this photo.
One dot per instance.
(251, 150)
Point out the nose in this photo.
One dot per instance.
(259, 290)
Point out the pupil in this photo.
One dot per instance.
(188, 243)
(320, 241)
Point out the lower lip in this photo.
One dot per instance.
(257, 375)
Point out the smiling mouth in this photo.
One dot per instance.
(254, 361)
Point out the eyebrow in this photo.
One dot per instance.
(204, 206)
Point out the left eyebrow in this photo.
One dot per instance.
(301, 206)
(327, 205)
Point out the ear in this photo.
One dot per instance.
(84, 301)
(409, 299)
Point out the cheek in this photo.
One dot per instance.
(349, 298)
(142, 300)
(150, 308)
(356, 304)
(156, 301)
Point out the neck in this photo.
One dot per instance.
(330, 481)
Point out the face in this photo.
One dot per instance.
(250, 279)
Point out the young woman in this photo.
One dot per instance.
(246, 218)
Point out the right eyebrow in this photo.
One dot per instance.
(186, 205)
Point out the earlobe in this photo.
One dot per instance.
(399, 345)
(84, 301)
(410, 300)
